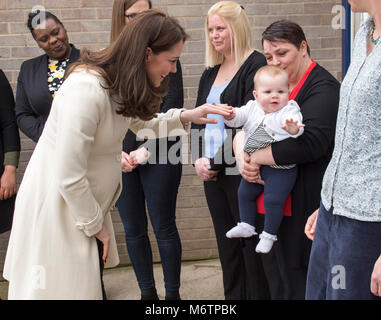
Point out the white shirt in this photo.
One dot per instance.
(251, 115)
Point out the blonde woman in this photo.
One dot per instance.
(155, 183)
(231, 64)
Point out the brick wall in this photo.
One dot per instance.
(88, 25)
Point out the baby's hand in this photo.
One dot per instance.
(292, 127)
(232, 111)
(231, 116)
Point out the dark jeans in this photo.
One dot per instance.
(238, 261)
(342, 259)
(278, 185)
(158, 185)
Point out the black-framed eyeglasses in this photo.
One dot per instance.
(130, 15)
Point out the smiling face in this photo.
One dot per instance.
(219, 34)
(160, 65)
(52, 38)
(286, 55)
(138, 7)
(271, 92)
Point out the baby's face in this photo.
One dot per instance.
(272, 92)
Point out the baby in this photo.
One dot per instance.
(269, 118)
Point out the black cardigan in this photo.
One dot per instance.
(318, 100)
(9, 134)
(237, 93)
(9, 141)
(174, 99)
(33, 98)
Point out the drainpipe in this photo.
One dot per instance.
(346, 38)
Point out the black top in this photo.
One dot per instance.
(318, 100)
(33, 98)
(9, 142)
(9, 134)
(159, 147)
(236, 94)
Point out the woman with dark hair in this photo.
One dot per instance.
(41, 77)
(74, 175)
(9, 153)
(155, 182)
(317, 93)
(122, 13)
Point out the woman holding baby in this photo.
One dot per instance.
(317, 93)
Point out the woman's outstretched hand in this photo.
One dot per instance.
(199, 115)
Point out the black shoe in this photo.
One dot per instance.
(149, 294)
(172, 295)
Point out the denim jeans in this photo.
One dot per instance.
(158, 185)
(343, 255)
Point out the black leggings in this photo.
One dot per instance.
(278, 185)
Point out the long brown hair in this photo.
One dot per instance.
(123, 63)
(118, 19)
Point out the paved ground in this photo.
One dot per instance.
(200, 280)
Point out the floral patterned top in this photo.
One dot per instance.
(56, 73)
(352, 182)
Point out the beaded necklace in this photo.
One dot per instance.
(372, 40)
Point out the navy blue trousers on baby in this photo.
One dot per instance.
(342, 259)
(278, 185)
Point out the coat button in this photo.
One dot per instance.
(273, 134)
(80, 226)
(264, 125)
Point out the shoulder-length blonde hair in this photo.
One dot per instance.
(123, 63)
(240, 34)
(118, 19)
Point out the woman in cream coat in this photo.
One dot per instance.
(73, 177)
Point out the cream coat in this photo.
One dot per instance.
(72, 180)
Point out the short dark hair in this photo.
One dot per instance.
(285, 30)
(42, 16)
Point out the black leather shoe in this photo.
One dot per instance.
(172, 295)
(149, 294)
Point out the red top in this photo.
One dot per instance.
(294, 93)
